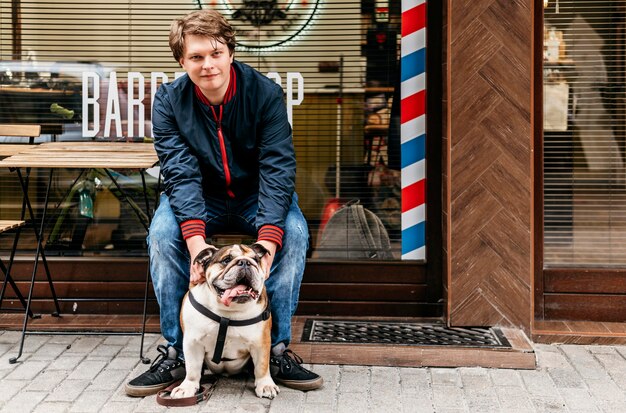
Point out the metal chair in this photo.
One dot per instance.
(29, 132)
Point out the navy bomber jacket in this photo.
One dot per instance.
(253, 154)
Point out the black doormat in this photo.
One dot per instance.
(401, 333)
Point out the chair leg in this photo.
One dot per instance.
(144, 360)
(13, 360)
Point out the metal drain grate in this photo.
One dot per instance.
(401, 333)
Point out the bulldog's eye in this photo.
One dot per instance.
(227, 259)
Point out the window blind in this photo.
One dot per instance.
(584, 135)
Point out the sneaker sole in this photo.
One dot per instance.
(142, 391)
(301, 385)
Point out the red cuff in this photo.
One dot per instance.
(192, 228)
(271, 233)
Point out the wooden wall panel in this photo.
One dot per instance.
(585, 281)
(347, 288)
(585, 307)
(488, 172)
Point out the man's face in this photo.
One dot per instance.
(207, 62)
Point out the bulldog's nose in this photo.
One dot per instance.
(243, 263)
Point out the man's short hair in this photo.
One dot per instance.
(209, 23)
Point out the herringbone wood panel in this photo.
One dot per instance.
(489, 162)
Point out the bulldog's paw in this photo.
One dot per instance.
(186, 389)
(266, 388)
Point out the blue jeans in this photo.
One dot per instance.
(169, 261)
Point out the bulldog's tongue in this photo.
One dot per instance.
(231, 293)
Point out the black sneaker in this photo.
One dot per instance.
(165, 370)
(286, 370)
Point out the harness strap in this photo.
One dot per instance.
(221, 339)
(225, 323)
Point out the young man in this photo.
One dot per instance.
(227, 159)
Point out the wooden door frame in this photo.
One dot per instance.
(537, 128)
(434, 171)
(582, 294)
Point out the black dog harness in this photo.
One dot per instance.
(224, 323)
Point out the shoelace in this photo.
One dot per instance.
(290, 359)
(293, 356)
(162, 359)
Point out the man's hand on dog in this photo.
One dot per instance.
(268, 259)
(197, 243)
(196, 272)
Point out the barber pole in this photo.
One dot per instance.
(413, 129)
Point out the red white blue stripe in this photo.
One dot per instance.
(413, 129)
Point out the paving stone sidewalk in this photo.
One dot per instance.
(60, 373)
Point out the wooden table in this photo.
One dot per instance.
(79, 155)
(110, 155)
(10, 149)
(86, 155)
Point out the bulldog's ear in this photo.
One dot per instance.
(259, 249)
(204, 257)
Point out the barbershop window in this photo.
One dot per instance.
(584, 133)
(76, 67)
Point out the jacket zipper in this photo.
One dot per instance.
(220, 137)
(225, 161)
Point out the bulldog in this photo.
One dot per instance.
(226, 320)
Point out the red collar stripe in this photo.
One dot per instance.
(232, 86)
(230, 90)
